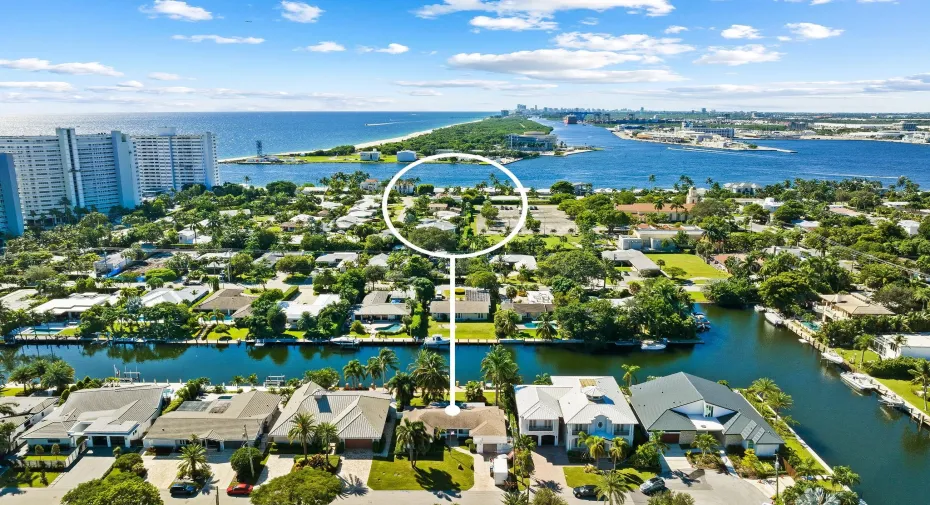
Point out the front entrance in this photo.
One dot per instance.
(115, 441)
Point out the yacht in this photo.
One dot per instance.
(891, 400)
(773, 318)
(858, 381)
(344, 341)
(701, 321)
(833, 357)
(436, 341)
(654, 345)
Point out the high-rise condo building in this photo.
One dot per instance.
(41, 176)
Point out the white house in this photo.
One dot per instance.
(406, 156)
(294, 310)
(437, 224)
(73, 306)
(910, 226)
(914, 345)
(190, 237)
(187, 295)
(516, 261)
(338, 260)
(370, 185)
(557, 414)
(372, 155)
(27, 411)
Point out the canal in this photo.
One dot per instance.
(845, 428)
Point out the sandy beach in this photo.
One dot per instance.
(363, 145)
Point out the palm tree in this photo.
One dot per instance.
(431, 375)
(780, 401)
(630, 375)
(238, 379)
(618, 449)
(613, 487)
(514, 498)
(921, 373)
(597, 447)
(354, 373)
(387, 358)
(252, 379)
(706, 443)
(655, 438)
(193, 459)
(817, 495)
(302, 429)
(807, 467)
(403, 387)
(764, 388)
(7, 409)
(899, 341)
(863, 343)
(413, 437)
(373, 369)
(499, 368)
(843, 476)
(325, 434)
(544, 328)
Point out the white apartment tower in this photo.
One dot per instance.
(42, 175)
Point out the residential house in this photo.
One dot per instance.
(558, 414)
(360, 416)
(20, 299)
(475, 307)
(370, 185)
(229, 301)
(188, 236)
(378, 306)
(27, 411)
(634, 259)
(528, 311)
(379, 260)
(659, 238)
(74, 305)
(220, 421)
(107, 416)
(516, 261)
(339, 260)
(111, 263)
(372, 155)
(405, 187)
(682, 405)
(798, 252)
(437, 224)
(294, 310)
(838, 306)
(486, 426)
(188, 295)
(910, 226)
(914, 345)
(406, 156)
(742, 188)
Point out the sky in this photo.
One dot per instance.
(478, 55)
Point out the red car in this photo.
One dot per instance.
(239, 490)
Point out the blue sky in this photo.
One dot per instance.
(223, 55)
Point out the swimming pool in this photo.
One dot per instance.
(391, 328)
(812, 326)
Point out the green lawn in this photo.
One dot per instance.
(697, 296)
(46, 457)
(853, 356)
(693, 265)
(15, 479)
(68, 332)
(489, 397)
(575, 475)
(795, 445)
(472, 330)
(905, 389)
(449, 471)
(235, 333)
(11, 392)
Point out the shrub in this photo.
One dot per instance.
(244, 459)
(358, 327)
(897, 368)
(126, 462)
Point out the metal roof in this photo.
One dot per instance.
(356, 414)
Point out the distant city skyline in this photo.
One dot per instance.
(479, 55)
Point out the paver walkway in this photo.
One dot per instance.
(483, 479)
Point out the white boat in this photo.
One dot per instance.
(858, 381)
(890, 400)
(436, 341)
(774, 318)
(345, 341)
(701, 322)
(653, 345)
(833, 357)
(758, 308)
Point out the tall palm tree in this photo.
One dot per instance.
(630, 375)
(807, 467)
(238, 379)
(705, 442)
(193, 459)
(655, 438)
(403, 387)
(764, 388)
(373, 369)
(780, 401)
(431, 375)
(325, 434)
(413, 437)
(597, 447)
(613, 487)
(302, 428)
(499, 368)
(618, 450)
(863, 343)
(544, 327)
(921, 374)
(7, 409)
(387, 358)
(354, 372)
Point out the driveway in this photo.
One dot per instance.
(276, 466)
(484, 481)
(91, 465)
(354, 470)
(548, 462)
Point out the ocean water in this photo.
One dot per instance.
(621, 163)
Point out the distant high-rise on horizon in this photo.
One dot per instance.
(41, 176)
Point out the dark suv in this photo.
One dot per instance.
(183, 488)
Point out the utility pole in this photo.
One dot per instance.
(245, 438)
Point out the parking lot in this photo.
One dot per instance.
(554, 221)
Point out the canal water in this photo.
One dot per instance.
(845, 428)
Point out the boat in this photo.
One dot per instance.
(653, 345)
(773, 318)
(891, 401)
(701, 322)
(259, 343)
(833, 357)
(858, 381)
(758, 308)
(436, 341)
(345, 341)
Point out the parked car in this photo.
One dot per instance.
(240, 489)
(652, 485)
(588, 491)
(183, 488)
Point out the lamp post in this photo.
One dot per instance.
(776, 479)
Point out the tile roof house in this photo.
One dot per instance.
(377, 306)
(360, 416)
(218, 420)
(228, 301)
(338, 260)
(682, 405)
(475, 307)
(838, 306)
(557, 414)
(27, 411)
(106, 416)
(486, 426)
(175, 296)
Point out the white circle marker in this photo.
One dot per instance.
(452, 409)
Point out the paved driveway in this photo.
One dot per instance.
(162, 470)
(276, 466)
(355, 469)
(91, 465)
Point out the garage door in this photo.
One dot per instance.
(548, 440)
(99, 441)
(354, 443)
(117, 441)
(670, 438)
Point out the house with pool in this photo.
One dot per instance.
(381, 306)
(558, 414)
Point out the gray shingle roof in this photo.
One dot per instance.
(356, 414)
(480, 421)
(655, 400)
(219, 419)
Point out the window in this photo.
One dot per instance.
(708, 410)
(621, 429)
(751, 444)
(540, 425)
(53, 441)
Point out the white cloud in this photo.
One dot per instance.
(634, 43)
(516, 24)
(741, 32)
(783, 38)
(219, 39)
(131, 84)
(562, 65)
(300, 12)
(339, 99)
(37, 65)
(392, 48)
(424, 92)
(590, 21)
(489, 85)
(676, 29)
(812, 31)
(820, 2)
(544, 7)
(735, 56)
(164, 76)
(52, 86)
(877, 1)
(327, 46)
(176, 9)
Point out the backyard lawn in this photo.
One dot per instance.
(15, 479)
(489, 397)
(234, 333)
(697, 296)
(11, 392)
(472, 330)
(853, 356)
(434, 472)
(693, 265)
(575, 475)
(905, 389)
